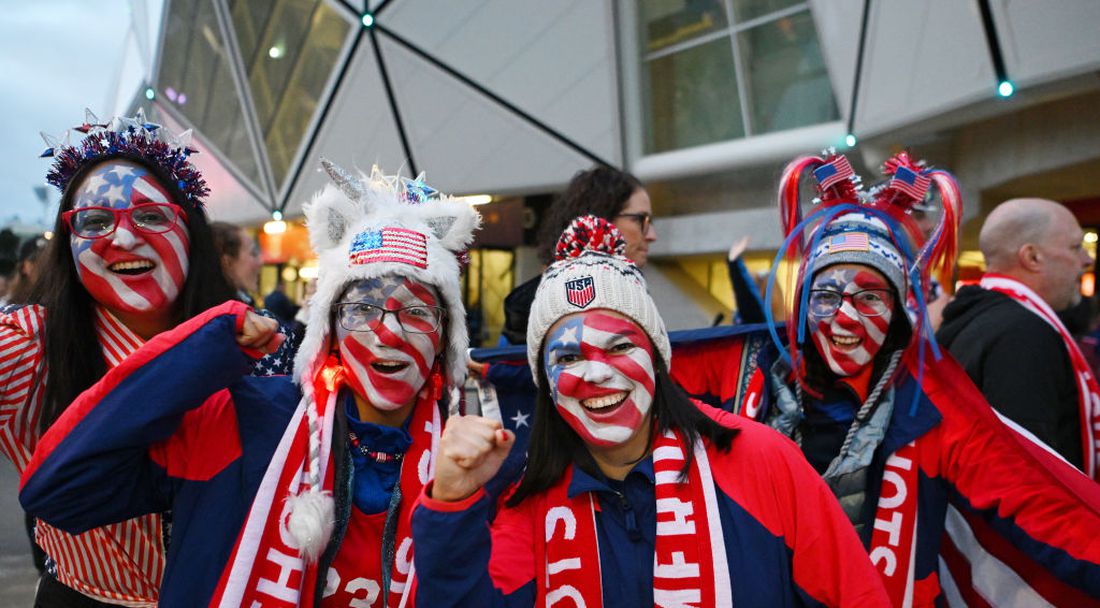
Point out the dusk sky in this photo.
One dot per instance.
(57, 57)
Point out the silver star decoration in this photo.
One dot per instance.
(569, 336)
(520, 419)
(54, 144)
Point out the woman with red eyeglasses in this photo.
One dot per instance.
(133, 256)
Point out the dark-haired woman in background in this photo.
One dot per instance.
(634, 495)
(132, 256)
(604, 192)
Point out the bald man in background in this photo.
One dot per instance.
(1006, 334)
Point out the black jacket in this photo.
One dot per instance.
(517, 307)
(1020, 364)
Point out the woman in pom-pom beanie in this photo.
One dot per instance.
(634, 495)
(286, 491)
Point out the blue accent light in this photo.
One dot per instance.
(277, 215)
(850, 140)
(150, 93)
(368, 20)
(1005, 88)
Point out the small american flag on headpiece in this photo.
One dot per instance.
(580, 292)
(849, 241)
(833, 172)
(910, 182)
(389, 245)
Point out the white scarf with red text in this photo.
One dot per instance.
(1088, 392)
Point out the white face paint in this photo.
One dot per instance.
(389, 365)
(601, 374)
(130, 270)
(848, 340)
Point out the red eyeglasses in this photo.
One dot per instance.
(98, 222)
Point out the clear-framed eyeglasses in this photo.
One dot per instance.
(358, 316)
(98, 222)
(868, 302)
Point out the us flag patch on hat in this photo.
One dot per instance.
(849, 241)
(580, 292)
(389, 244)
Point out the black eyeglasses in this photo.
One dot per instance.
(357, 316)
(644, 219)
(868, 302)
(98, 222)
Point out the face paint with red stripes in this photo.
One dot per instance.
(388, 365)
(129, 270)
(848, 340)
(601, 373)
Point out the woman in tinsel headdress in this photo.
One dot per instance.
(286, 491)
(950, 503)
(634, 495)
(131, 257)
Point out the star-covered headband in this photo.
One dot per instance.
(133, 136)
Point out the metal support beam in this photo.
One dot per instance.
(504, 103)
(859, 68)
(392, 99)
(341, 75)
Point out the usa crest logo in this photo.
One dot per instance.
(580, 292)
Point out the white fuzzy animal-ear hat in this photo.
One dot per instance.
(366, 226)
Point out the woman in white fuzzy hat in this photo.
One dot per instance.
(634, 495)
(287, 493)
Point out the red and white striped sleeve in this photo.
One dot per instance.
(22, 371)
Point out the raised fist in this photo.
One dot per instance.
(260, 333)
(471, 451)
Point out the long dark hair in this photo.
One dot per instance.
(73, 357)
(554, 445)
(601, 191)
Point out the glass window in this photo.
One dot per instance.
(668, 22)
(195, 78)
(692, 73)
(692, 98)
(787, 81)
(296, 46)
(744, 10)
(249, 21)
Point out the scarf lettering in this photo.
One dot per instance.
(688, 569)
(893, 539)
(289, 579)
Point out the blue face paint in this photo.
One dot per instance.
(563, 345)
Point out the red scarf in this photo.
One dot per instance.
(265, 567)
(1088, 393)
(690, 552)
(894, 539)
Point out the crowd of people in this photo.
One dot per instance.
(180, 447)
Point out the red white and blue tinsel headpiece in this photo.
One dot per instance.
(129, 136)
(874, 228)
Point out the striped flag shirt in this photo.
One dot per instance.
(121, 563)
